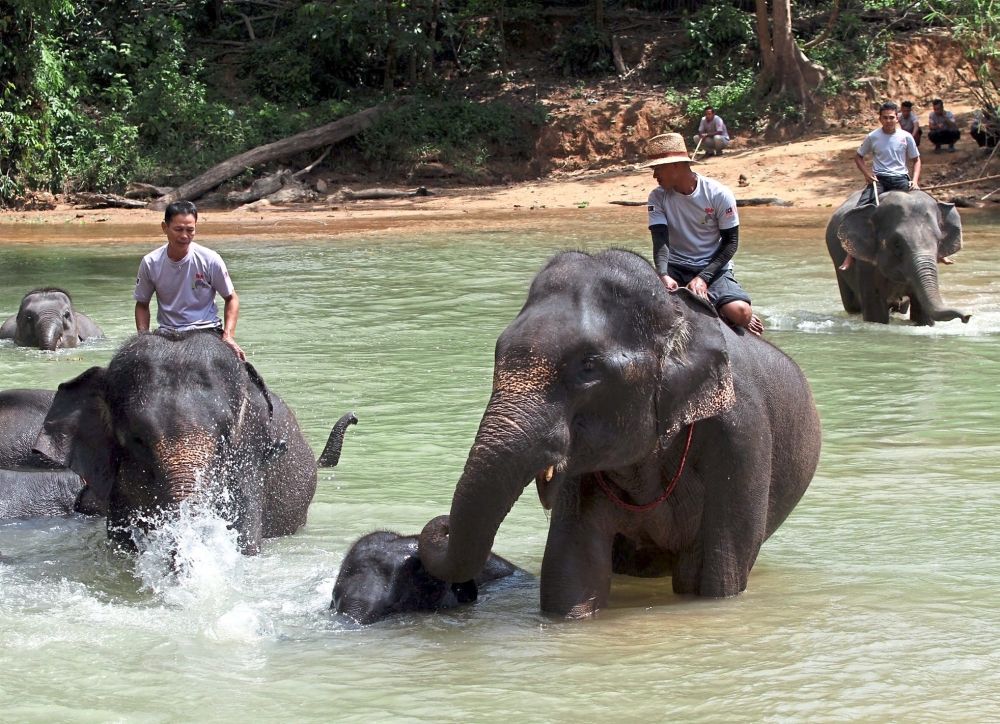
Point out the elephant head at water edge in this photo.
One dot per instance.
(176, 416)
(896, 245)
(661, 440)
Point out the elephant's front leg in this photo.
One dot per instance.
(871, 285)
(576, 569)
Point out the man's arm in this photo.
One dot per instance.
(142, 316)
(859, 161)
(661, 254)
(729, 243)
(230, 316)
(915, 181)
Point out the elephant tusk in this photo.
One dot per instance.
(550, 473)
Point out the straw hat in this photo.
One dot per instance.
(666, 148)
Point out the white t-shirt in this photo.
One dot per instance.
(716, 126)
(890, 150)
(185, 289)
(694, 221)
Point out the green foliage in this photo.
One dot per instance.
(976, 24)
(717, 37)
(583, 51)
(460, 132)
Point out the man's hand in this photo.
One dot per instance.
(668, 282)
(228, 339)
(914, 186)
(698, 287)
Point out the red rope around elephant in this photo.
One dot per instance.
(666, 492)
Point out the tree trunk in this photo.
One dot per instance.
(322, 136)
(785, 70)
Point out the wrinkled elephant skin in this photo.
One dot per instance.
(47, 319)
(896, 246)
(38, 493)
(382, 576)
(176, 416)
(599, 379)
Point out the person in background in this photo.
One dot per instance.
(695, 230)
(909, 121)
(185, 277)
(942, 130)
(712, 133)
(985, 130)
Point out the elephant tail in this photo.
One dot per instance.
(331, 453)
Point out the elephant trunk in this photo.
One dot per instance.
(455, 547)
(927, 291)
(185, 463)
(49, 333)
(331, 453)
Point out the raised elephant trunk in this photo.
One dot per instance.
(49, 333)
(927, 291)
(501, 463)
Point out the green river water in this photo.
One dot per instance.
(875, 601)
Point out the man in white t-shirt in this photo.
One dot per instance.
(185, 277)
(695, 229)
(712, 133)
(891, 147)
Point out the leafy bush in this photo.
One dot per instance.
(717, 37)
(583, 51)
(460, 132)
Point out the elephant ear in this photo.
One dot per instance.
(77, 434)
(951, 230)
(696, 380)
(259, 383)
(857, 233)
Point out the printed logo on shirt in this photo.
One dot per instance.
(650, 208)
(729, 211)
(709, 214)
(200, 281)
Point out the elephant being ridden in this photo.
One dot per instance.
(178, 416)
(661, 439)
(382, 576)
(896, 246)
(47, 319)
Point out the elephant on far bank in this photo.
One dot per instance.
(47, 319)
(382, 575)
(662, 440)
(896, 246)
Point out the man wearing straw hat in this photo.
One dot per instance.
(695, 229)
(890, 147)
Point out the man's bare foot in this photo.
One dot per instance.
(847, 263)
(946, 260)
(756, 326)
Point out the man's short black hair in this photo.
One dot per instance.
(708, 108)
(937, 102)
(907, 104)
(179, 208)
(888, 106)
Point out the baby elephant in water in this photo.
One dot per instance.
(382, 575)
(47, 319)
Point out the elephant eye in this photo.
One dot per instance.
(66, 314)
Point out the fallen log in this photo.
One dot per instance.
(89, 200)
(139, 190)
(368, 194)
(325, 135)
(260, 188)
(764, 201)
(960, 183)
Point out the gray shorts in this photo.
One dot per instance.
(723, 289)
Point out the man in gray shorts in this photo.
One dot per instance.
(695, 229)
(185, 277)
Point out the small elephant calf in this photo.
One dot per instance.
(382, 575)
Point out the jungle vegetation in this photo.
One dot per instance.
(95, 94)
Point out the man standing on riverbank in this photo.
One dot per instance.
(695, 230)
(185, 277)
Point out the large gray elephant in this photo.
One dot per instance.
(178, 416)
(896, 246)
(382, 576)
(661, 440)
(46, 319)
